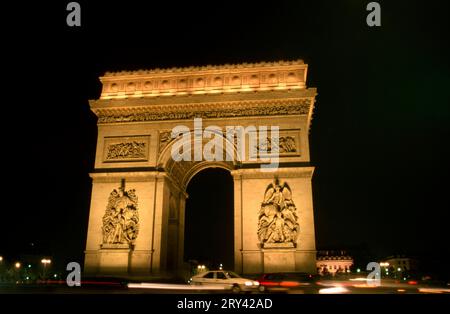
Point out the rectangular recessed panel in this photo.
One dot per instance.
(126, 148)
(289, 144)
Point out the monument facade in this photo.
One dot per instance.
(136, 220)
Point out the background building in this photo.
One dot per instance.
(401, 263)
(333, 262)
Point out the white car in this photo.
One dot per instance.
(227, 279)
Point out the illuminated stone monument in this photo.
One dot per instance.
(136, 221)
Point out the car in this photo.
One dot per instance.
(227, 279)
(304, 282)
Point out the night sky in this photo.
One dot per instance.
(379, 135)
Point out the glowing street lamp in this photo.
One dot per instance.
(201, 268)
(1, 258)
(45, 262)
(17, 265)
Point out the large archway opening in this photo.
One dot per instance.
(209, 219)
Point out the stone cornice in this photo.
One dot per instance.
(283, 75)
(115, 177)
(282, 172)
(203, 99)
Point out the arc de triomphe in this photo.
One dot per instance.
(136, 221)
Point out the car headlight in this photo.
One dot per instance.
(251, 283)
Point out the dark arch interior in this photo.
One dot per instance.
(209, 225)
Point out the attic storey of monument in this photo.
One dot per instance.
(137, 113)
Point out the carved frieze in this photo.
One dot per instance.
(300, 107)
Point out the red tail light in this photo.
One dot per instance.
(289, 284)
(268, 283)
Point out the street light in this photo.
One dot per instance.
(45, 262)
(1, 258)
(17, 265)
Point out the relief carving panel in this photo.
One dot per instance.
(121, 219)
(125, 149)
(289, 144)
(277, 218)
